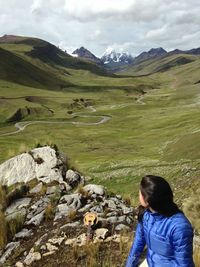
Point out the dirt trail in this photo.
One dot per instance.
(22, 125)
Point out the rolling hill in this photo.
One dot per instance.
(162, 64)
(36, 63)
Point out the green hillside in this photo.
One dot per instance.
(113, 128)
(162, 64)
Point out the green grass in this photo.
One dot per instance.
(158, 137)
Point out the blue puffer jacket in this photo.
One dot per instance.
(169, 241)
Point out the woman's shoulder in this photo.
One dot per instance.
(179, 222)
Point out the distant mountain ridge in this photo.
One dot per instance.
(115, 60)
(84, 53)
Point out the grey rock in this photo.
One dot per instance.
(23, 234)
(51, 247)
(62, 210)
(56, 240)
(112, 219)
(18, 214)
(8, 251)
(73, 178)
(36, 189)
(52, 190)
(129, 220)
(73, 201)
(127, 210)
(73, 224)
(19, 264)
(41, 239)
(97, 209)
(121, 227)
(101, 234)
(38, 207)
(94, 189)
(111, 214)
(26, 167)
(17, 205)
(86, 207)
(36, 220)
(31, 257)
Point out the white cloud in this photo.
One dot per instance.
(132, 25)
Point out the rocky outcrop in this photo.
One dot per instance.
(52, 210)
(40, 163)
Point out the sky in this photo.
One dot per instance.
(130, 26)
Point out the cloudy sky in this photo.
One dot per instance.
(99, 25)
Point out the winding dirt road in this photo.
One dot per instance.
(21, 126)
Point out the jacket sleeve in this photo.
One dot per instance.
(137, 247)
(183, 245)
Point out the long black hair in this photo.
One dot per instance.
(158, 193)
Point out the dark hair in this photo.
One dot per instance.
(158, 193)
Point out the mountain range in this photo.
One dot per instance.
(115, 60)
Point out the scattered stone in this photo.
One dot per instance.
(52, 190)
(81, 240)
(32, 256)
(62, 210)
(73, 201)
(51, 247)
(121, 227)
(73, 178)
(100, 234)
(57, 240)
(86, 207)
(19, 264)
(70, 241)
(94, 189)
(73, 224)
(36, 220)
(23, 234)
(48, 253)
(41, 239)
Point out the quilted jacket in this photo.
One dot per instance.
(169, 241)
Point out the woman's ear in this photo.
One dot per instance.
(143, 202)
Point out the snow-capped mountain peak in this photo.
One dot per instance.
(111, 56)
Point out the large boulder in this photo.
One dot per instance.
(41, 163)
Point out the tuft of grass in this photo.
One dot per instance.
(3, 230)
(72, 215)
(191, 208)
(196, 256)
(83, 192)
(49, 212)
(15, 225)
(3, 198)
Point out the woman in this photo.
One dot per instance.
(162, 227)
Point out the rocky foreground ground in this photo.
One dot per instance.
(46, 205)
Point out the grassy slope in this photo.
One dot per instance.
(157, 137)
(158, 65)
